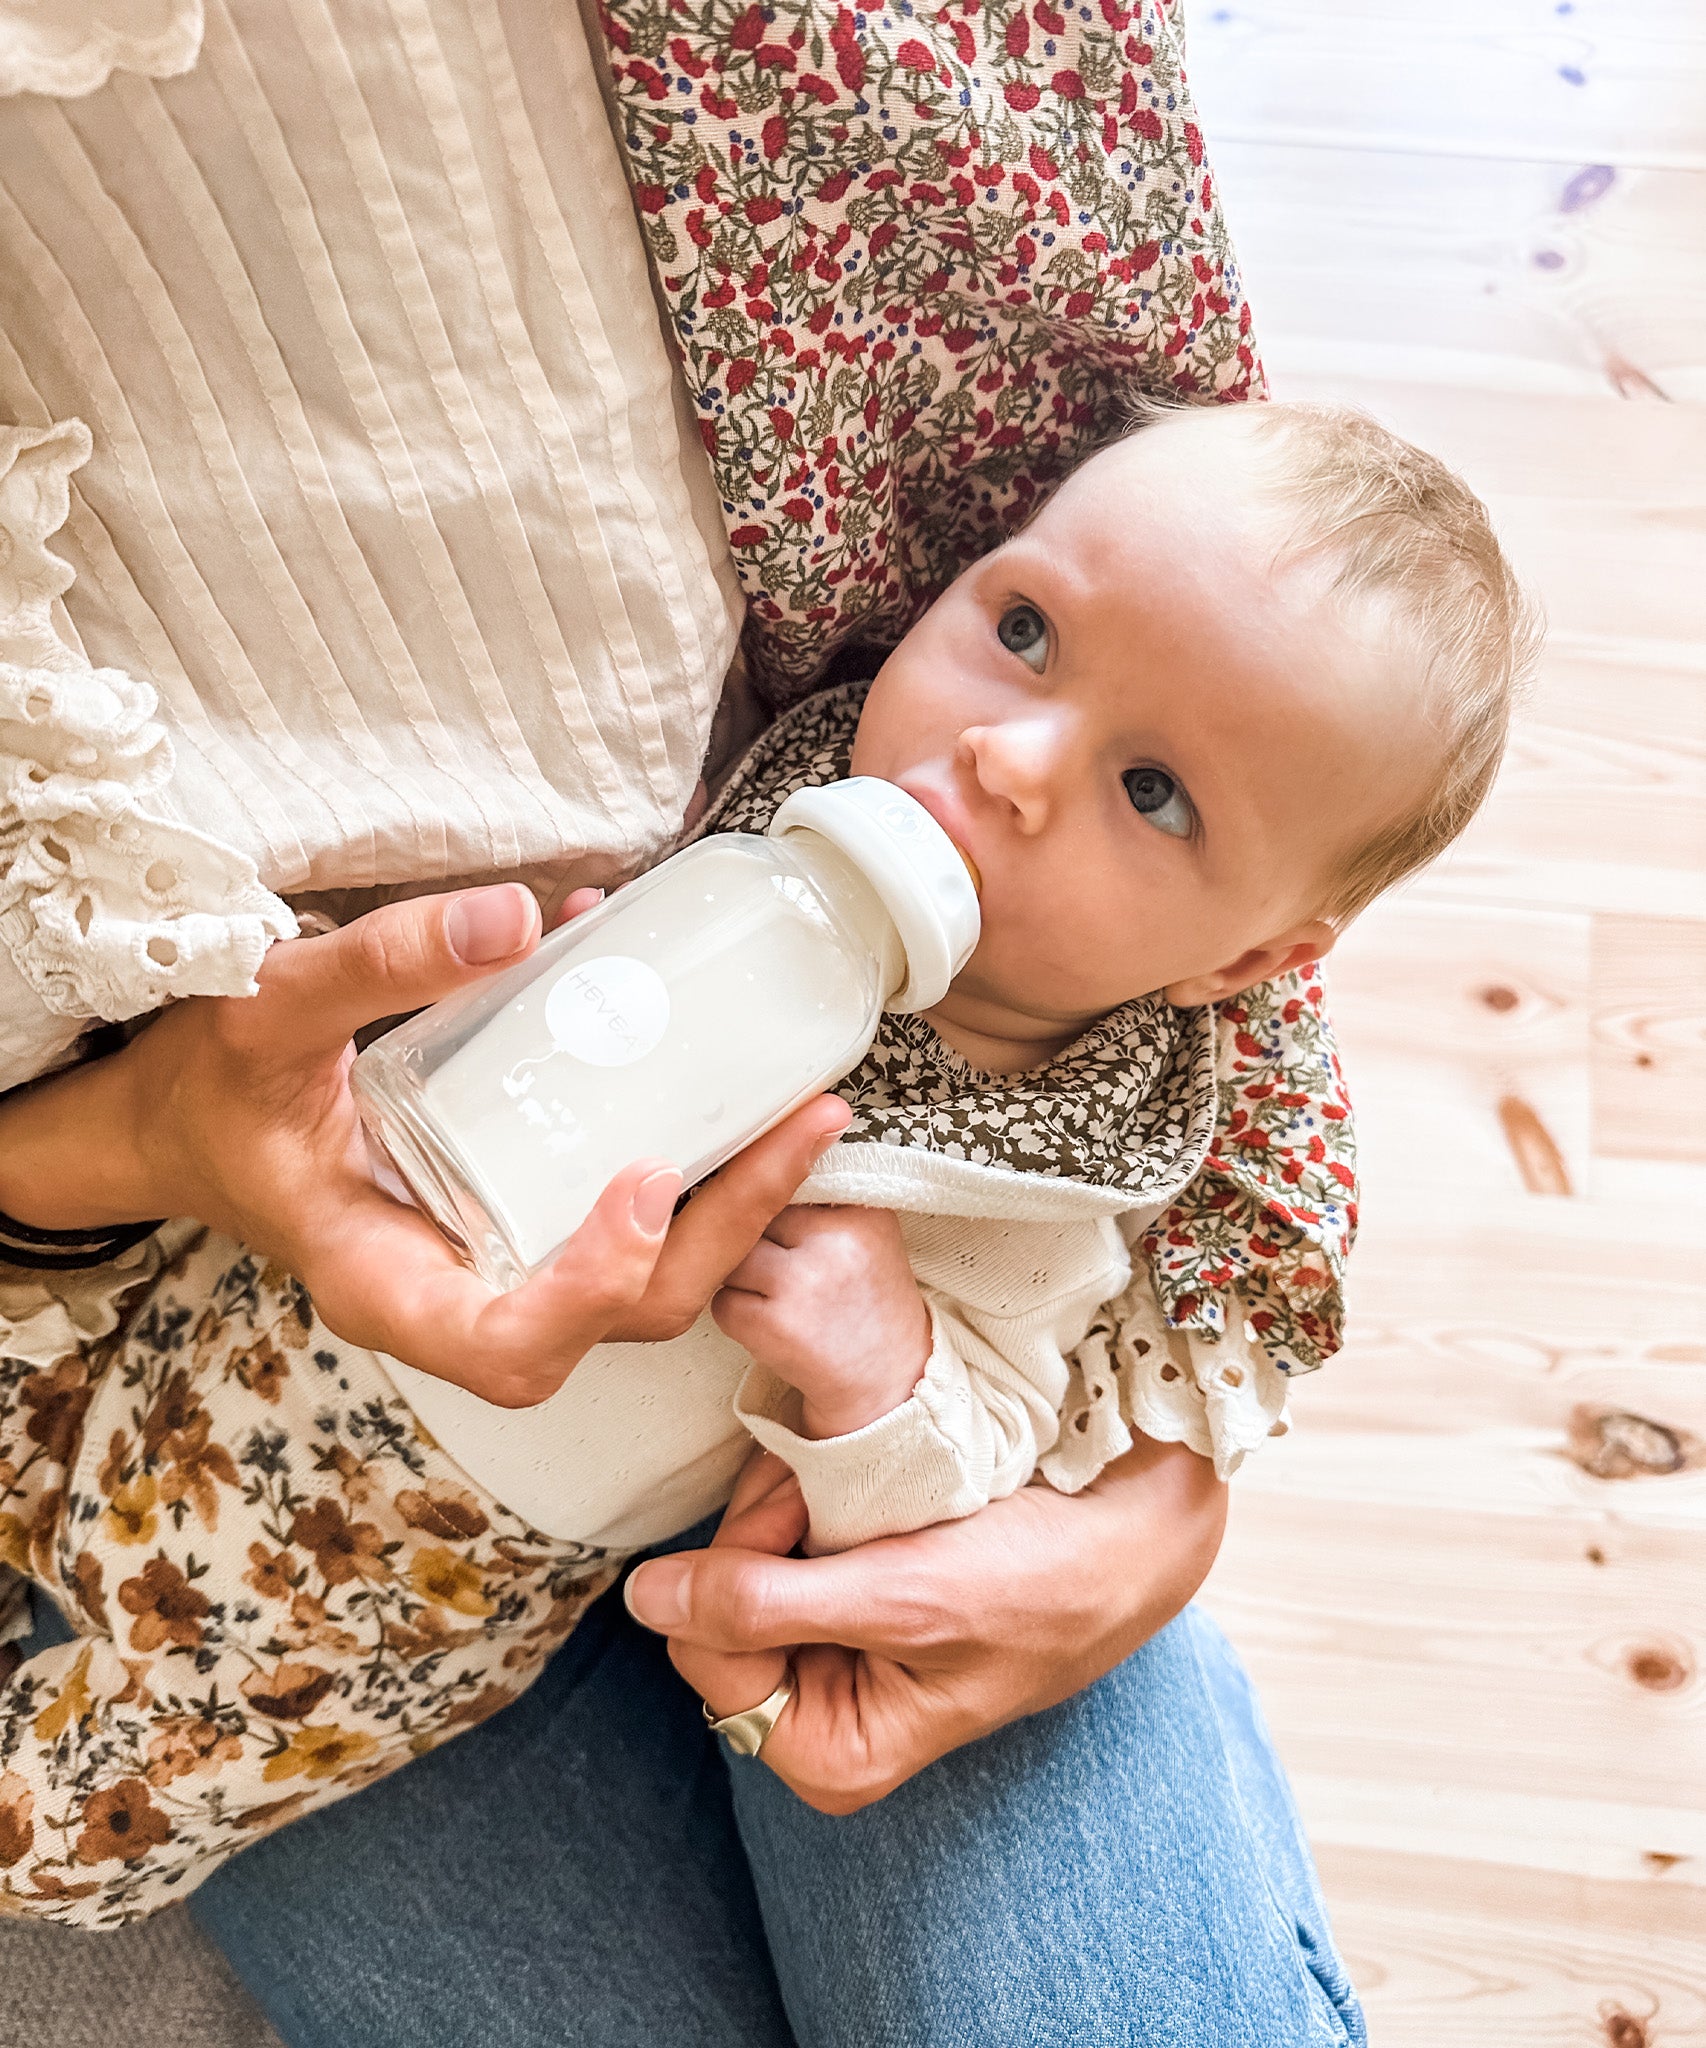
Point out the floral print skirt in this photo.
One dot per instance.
(283, 1588)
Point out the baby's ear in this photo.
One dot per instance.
(1295, 948)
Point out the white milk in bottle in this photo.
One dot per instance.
(681, 1019)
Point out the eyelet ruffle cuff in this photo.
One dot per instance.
(1222, 1398)
(66, 48)
(106, 908)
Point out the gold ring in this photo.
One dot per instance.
(748, 1732)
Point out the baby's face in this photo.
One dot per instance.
(1157, 748)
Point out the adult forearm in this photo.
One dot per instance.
(1160, 1503)
(68, 1155)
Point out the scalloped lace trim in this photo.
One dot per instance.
(45, 1316)
(66, 48)
(1222, 1398)
(106, 908)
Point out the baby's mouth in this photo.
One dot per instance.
(937, 806)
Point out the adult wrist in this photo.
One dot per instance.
(70, 1161)
(1171, 1500)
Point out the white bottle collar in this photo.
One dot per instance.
(915, 868)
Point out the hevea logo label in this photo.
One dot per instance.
(609, 1012)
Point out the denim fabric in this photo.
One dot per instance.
(588, 1871)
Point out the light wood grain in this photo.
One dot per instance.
(1472, 1582)
(1442, 1016)
(1451, 1658)
(1649, 1033)
(1469, 270)
(1609, 81)
(1452, 1950)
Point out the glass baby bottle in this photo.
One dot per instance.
(680, 1019)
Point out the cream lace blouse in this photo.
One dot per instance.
(353, 532)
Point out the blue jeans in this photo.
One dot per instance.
(592, 1870)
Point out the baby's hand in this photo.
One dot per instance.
(826, 1300)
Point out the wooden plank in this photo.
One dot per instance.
(1448, 269)
(1607, 764)
(1446, 1019)
(1449, 1657)
(1480, 1649)
(1584, 83)
(1619, 572)
(1454, 1954)
(1472, 874)
(1569, 1834)
(1649, 1037)
(1629, 1272)
(1590, 448)
(1514, 1473)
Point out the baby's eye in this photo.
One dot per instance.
(1024, 631)
(1159, 798)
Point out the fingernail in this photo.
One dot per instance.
(490, 924)
(654, 1201)
(656, 1595)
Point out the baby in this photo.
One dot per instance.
(1244, 671)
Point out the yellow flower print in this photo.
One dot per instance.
(320, 1753)
(451, 1581)
(14, 1543)
(131, 1515)
(73, 1702)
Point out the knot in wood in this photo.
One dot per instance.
(1659, 1667)
(1618, 1444)
(1624, 2030)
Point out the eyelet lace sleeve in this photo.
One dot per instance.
(65, 48)
(107, 908)
(1223, 1397)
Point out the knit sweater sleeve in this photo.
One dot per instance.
(1049, 1356)
(1007, 1306)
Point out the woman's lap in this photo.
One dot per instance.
(1125, 1868)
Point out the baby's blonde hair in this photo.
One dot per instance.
(1406, 534)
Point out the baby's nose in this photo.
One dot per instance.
(1017, 764)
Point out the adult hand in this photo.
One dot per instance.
(238, 1112)
(911, 1646)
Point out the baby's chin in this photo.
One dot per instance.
(992, 1008)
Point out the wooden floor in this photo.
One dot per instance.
(1472, 1586)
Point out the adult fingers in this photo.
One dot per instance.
(764, 1478)
(728, 1215)
(319, 992)
(575, 904)
(858, 1726)
(766, 1512)
(729, 1684)
(738, 1600)
(388, 1280)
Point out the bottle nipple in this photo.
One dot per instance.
(927, 885)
